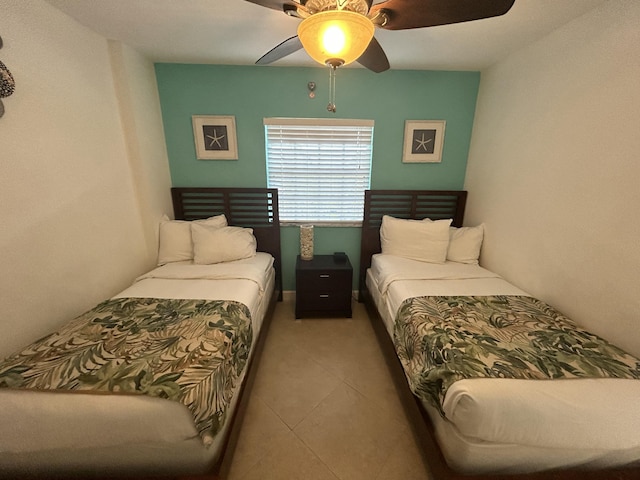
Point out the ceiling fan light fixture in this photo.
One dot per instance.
(336, 37)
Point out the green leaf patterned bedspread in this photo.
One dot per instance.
(190, 351)
(440, 340)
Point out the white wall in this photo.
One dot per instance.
(139, 103)
(554, 170)
(72, 183)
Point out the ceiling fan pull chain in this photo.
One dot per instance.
(332, 89)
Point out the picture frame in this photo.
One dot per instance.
(215, 137)
(423, 141)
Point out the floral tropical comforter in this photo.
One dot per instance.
(440, 340)
(190, 351)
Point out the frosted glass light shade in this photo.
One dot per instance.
(335, 36)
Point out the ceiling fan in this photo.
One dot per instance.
(390, 15)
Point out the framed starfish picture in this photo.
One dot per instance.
(423, 141)
(215, 137)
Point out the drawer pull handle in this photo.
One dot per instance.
(324, 296)
(324, 275)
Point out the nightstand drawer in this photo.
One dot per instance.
(326, 301)
(324, 280)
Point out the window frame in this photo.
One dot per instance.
(326, 124)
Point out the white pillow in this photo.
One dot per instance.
(215, 245)
(425, 240)
(175, 238)
(465, 244)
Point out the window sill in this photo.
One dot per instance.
(292, 223)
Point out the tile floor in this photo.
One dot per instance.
(324, 407)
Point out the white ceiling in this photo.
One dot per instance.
(236, 32)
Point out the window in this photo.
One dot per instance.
(321, 168)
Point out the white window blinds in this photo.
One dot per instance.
(321, 168)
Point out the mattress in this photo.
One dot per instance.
(511, 425)
(106, 434)
(392, 279)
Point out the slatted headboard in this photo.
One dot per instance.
(408, 204)
(255, 208)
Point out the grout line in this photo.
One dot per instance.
(347, 382)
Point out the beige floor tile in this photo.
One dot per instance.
(375, 383)
(306, 331)
(324, 406)
(351, 436)
(350, 350)
(337, 343)
(290, 382)
(262, 433)
(292, 460)
(404, 462)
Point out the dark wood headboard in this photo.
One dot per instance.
(255, 208)
(408, 204)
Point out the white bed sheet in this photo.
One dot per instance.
(393, 279)
(508, 425)
(243, 280)
(134, 431)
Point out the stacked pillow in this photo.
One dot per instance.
(433, 241)
(216, 245)
(465, 244)
(205, 241)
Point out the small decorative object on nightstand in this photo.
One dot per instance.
(323, 286)
(306, 242)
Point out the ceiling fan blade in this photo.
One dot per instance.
(289, 46)
(405, 14)
(276, 4)
(374, 57)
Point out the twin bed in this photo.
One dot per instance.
(91, 400)
(496, 383)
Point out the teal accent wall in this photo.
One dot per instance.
(251, 93)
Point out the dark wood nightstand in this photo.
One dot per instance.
(323, 286)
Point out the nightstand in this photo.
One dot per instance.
(323, 286)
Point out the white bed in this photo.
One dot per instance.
(454, 314)
(511, 425)
(42, 431)
(75, 434)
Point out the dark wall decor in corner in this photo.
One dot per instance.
(7, 83)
